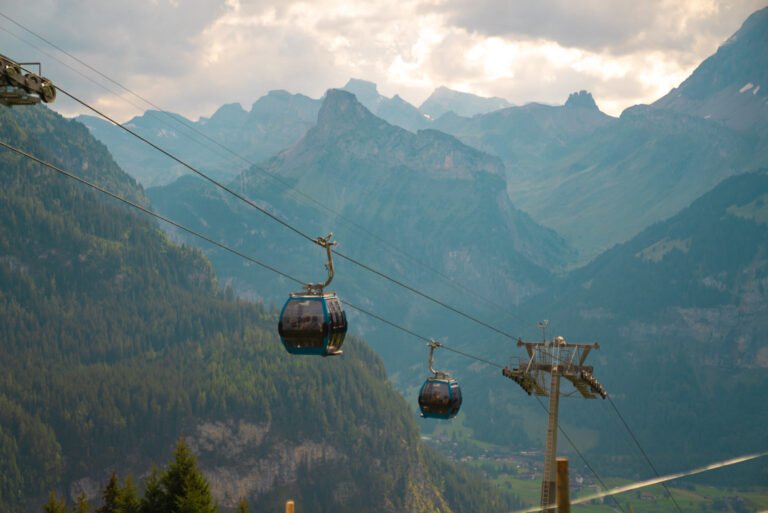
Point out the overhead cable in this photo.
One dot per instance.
(281, 221)
(229, 249)
(383, 242)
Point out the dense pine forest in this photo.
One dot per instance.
(115, 342)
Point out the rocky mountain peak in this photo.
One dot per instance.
(443, 100)
(341, 111)
(581, 99)
(230, 113)
(367, 92)
(730, 86)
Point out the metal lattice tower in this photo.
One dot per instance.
(555, 360)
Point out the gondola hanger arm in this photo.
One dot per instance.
(327, 243)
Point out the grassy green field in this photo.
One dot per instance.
(653, 499)
(520, 474)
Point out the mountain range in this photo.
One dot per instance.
(233, 139)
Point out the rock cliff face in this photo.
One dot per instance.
(250, 461)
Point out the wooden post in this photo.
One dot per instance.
(289, 507)
(563, 500)
(548, 488)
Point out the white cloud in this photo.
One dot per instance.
(191, 56)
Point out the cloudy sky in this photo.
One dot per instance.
(191, 56)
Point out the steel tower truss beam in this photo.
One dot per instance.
(555, 359)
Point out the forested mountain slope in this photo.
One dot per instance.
(116, 341)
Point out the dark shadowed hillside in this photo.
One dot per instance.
(681, 312)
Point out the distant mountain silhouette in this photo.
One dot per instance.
(393, 110)
(633, 172)
(530, 136)
(581, 99)
(274, 122)
(655, 160)
(598, 180)
(444, 100)
(731, 86)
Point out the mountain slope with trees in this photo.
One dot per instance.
(117, 341)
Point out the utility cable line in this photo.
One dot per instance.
(651, 482)
(220, 245)
(277, 219)
(645, 454)
(147, 211)
(386, 244)
(86, 77)
(188, 166)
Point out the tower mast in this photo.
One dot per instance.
(558, 359)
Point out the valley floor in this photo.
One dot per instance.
(520, 474)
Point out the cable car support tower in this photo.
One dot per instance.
(558, 359)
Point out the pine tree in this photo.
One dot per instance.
(119, 499)
(82, 505)
(242, 506)
(155, 499)
(128, 500)
(110, 495)
(55, 504)
(184, 487)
